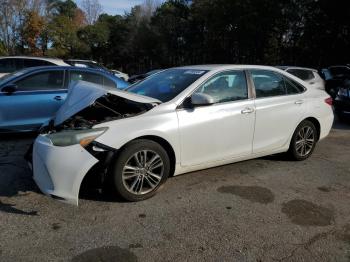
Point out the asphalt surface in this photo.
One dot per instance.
(268, 209)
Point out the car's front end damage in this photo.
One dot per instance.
(66, 150)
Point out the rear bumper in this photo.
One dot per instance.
(326, 124)
(59, 171)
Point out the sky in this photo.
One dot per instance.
(114, 7)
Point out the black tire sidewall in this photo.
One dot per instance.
(124, 155)
(292, 148)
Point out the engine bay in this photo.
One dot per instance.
(106, 108)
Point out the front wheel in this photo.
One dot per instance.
(140, 169)
(303, 141)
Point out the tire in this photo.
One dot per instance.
(300, 146)
(132, 177)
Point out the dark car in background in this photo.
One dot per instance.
(342, 101)
(30, 97)
(137, 78)
(10, 64)
(335, 77)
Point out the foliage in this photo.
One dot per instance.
(310, 33)
(32, 30)
(2, 49)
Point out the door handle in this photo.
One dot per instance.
(247, 110)
(299, 102)
(58, 98)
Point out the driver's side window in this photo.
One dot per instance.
(51, 80)
(226, 87)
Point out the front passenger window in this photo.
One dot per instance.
(226, 87)
(52, 80)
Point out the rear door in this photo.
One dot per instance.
(279, 106)
(36, 100)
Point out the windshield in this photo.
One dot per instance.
(167, 84)
(7, 77)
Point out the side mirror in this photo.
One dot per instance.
(199, 99)
(9, 89)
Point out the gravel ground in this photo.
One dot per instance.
(268, 209)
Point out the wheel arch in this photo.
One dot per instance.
(165, 144)
(316, 124)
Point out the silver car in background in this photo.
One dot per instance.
(309, 75)
(10, 64)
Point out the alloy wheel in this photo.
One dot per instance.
(142, 172)
(305, 141)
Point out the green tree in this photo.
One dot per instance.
(62, 30)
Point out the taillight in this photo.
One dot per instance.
(329, 101)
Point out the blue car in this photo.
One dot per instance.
(30, 97)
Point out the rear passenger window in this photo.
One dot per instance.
(42, 81)
(293, 87)
(35, 62)
(86, 76)
(108, 83)
(18, 63)
(268, 83)
(302, 74)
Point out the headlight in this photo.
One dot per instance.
(82, 137)
(343, 92)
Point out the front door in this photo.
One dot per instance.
(36, 99)
(220, 131)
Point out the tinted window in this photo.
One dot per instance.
(35, 62)
(167, 84)
(302, 74)
(108, 82)
(268, 83)
(226, 86)
(18, 63)
(41, 81)
(293, 87)
(339, 71)
(7, 65)
(86, 76)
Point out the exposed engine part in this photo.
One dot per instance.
(104, 109)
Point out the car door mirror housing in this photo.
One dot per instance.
(200, 99)
(9, 89)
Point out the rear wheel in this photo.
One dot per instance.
(140, 169)
(303, 141)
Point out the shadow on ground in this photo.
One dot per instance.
(344, 124)
(15, 175)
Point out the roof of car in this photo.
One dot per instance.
(295, 67)
(56, 61)
(29, 70)
(81, 60)
(226, 66)
(335, 66)
(39, 68)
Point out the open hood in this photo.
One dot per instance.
(82, 94)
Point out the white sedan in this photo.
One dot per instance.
(177, 121)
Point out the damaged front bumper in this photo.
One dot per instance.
(59, 171)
